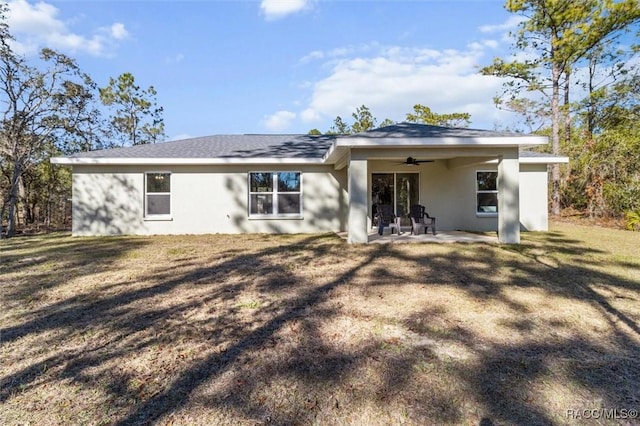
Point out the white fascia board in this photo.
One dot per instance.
(537, 160)
(71, 161)
(495, 141)
(544, 160)
(334, 153)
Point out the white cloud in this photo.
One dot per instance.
(275, 9)
(511, 23)
(481, 45)
(310, 115)
(38, 25)
(174, 59)
(339, 52)
(392, 79)
(279, 121)
(118, 31)
(313, 56)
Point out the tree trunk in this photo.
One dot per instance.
(566, 108)
(591, 109)
(13, 198)
(22, 202)
(555, 138)
(2, 210)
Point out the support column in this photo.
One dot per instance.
(358, 196)
(509, 198)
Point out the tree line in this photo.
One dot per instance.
(577, 81)
(50, 107)
(363, 120)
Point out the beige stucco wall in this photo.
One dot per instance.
(205, 199)
(108, 200)
(534, 197)
(449, 194)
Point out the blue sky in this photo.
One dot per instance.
(281, 66)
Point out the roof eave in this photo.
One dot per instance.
(485, 141)
(544, 160)
(337, 148)
(76, 161)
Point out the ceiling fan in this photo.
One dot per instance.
(410, 161)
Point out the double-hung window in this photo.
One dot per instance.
(157, 196)
(275, 194)
(486, 193)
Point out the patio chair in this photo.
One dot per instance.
(421, 221)
(386, 218)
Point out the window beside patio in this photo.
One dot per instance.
(486, 193)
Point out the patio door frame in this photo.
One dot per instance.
(395, 174)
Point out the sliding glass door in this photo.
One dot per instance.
(399, 190)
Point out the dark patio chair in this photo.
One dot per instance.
(421, 221)
(386, 218)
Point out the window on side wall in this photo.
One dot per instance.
(157, 197)
(486, 193)
(275, 194)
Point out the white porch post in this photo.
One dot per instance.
(509, 198)
(357, 186)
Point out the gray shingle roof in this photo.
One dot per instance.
(224, 146)
(258, 146)
(413, 130)
(534, 154)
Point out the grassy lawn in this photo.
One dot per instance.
(306, 329)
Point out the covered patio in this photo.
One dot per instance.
(446, 170)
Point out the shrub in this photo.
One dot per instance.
(632, 220)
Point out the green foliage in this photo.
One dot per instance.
(363, 120)
(423, 114)
(314, 132)
(45, 108)
(136, 118)
(49, 107)
(387, 122)
(632, 220)
(604, 174)
(559, 37)
(47, 194)
(340, 127)
(534, 114)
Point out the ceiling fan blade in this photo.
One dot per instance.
(410, 161)
(414, 162)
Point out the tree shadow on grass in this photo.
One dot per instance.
(217, 363)
(82, 313)
(249, 352)
(505, 376)
(54, 259)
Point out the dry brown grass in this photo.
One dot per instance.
(308, 330)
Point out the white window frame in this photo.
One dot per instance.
(274, 194)
(478, 191)
(151, 216)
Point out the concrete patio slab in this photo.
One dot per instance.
(440, 237)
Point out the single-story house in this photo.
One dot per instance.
(475, 180)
